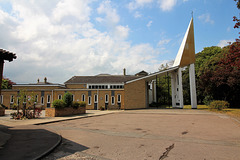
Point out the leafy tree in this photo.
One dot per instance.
(237, 20)
(67, 98)
(7, 83)
(164, 87)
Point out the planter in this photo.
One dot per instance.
(55, 112)
(2, 112)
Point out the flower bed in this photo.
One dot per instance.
(67, 111)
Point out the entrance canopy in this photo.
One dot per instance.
(152, 76)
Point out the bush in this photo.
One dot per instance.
(102, 108)
(82, 104)
(67, 98)
(75, 105)
(207, 100)
(58, 103)
(219, 105)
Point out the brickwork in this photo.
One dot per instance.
(53, 112)
(135, 95)
(2, 111)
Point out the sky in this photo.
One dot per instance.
(59, 39)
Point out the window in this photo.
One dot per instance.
(25, 99)
(95, 98)
(42, 100)
(1, 99)
(113, 100)
(89, 100)
(59, 96)
(73, 97)
(48, 98)
(119, 98)
(36, 99)
(106, 98)
(11, 99)
(83, 97)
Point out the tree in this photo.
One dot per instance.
(67, 98)
(237, 20)
(7, 83)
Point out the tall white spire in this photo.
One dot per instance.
(186, 52)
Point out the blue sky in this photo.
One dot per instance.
(58, 39)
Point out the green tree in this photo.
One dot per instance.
(7, 83)
(67, 98)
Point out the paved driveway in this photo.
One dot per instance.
(149, 134)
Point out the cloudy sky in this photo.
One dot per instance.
(58, 39)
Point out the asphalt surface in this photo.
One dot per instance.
(137, 134)
(28, 142)
(149, 135)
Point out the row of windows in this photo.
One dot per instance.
(105, 86)
(60, 97)
(83, 98)
(25, 99)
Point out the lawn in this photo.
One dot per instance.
(235, 112)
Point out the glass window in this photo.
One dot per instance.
(42, 100)
(11, 99)
(48, 98)
(25, 99)
(83, 97)
(36, 99)
(113, 100)
(73, 97)
(95, 98)
(59, 96)
(119, 98)
(89, 100)
(106, 98)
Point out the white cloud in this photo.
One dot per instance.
(149, 24)
(206, 18)
(138, 4)
(167, 5)
(137, 14)
(50, 42)
(163, 42)
(224, 43)
(111, 16)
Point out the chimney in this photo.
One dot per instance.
(124, 71)
(45, 80)
(38, 80)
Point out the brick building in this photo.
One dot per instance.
(123, 91)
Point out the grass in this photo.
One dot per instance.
(234, 112)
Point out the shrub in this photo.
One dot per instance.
(219, 105)
(67, 98)
(82, 104)
(75, 105)
(102, 108)
(58, 103)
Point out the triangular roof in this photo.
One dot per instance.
(186, 52)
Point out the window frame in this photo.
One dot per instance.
(83, 97)
(11, 99)
(89, 100)
(106, 99)
(112, 100)
(42, 100)
(119, 98)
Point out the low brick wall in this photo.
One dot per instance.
(2, 112)
(53, 112)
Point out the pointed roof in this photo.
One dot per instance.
(186, 52)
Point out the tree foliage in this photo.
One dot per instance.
(7, 83)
